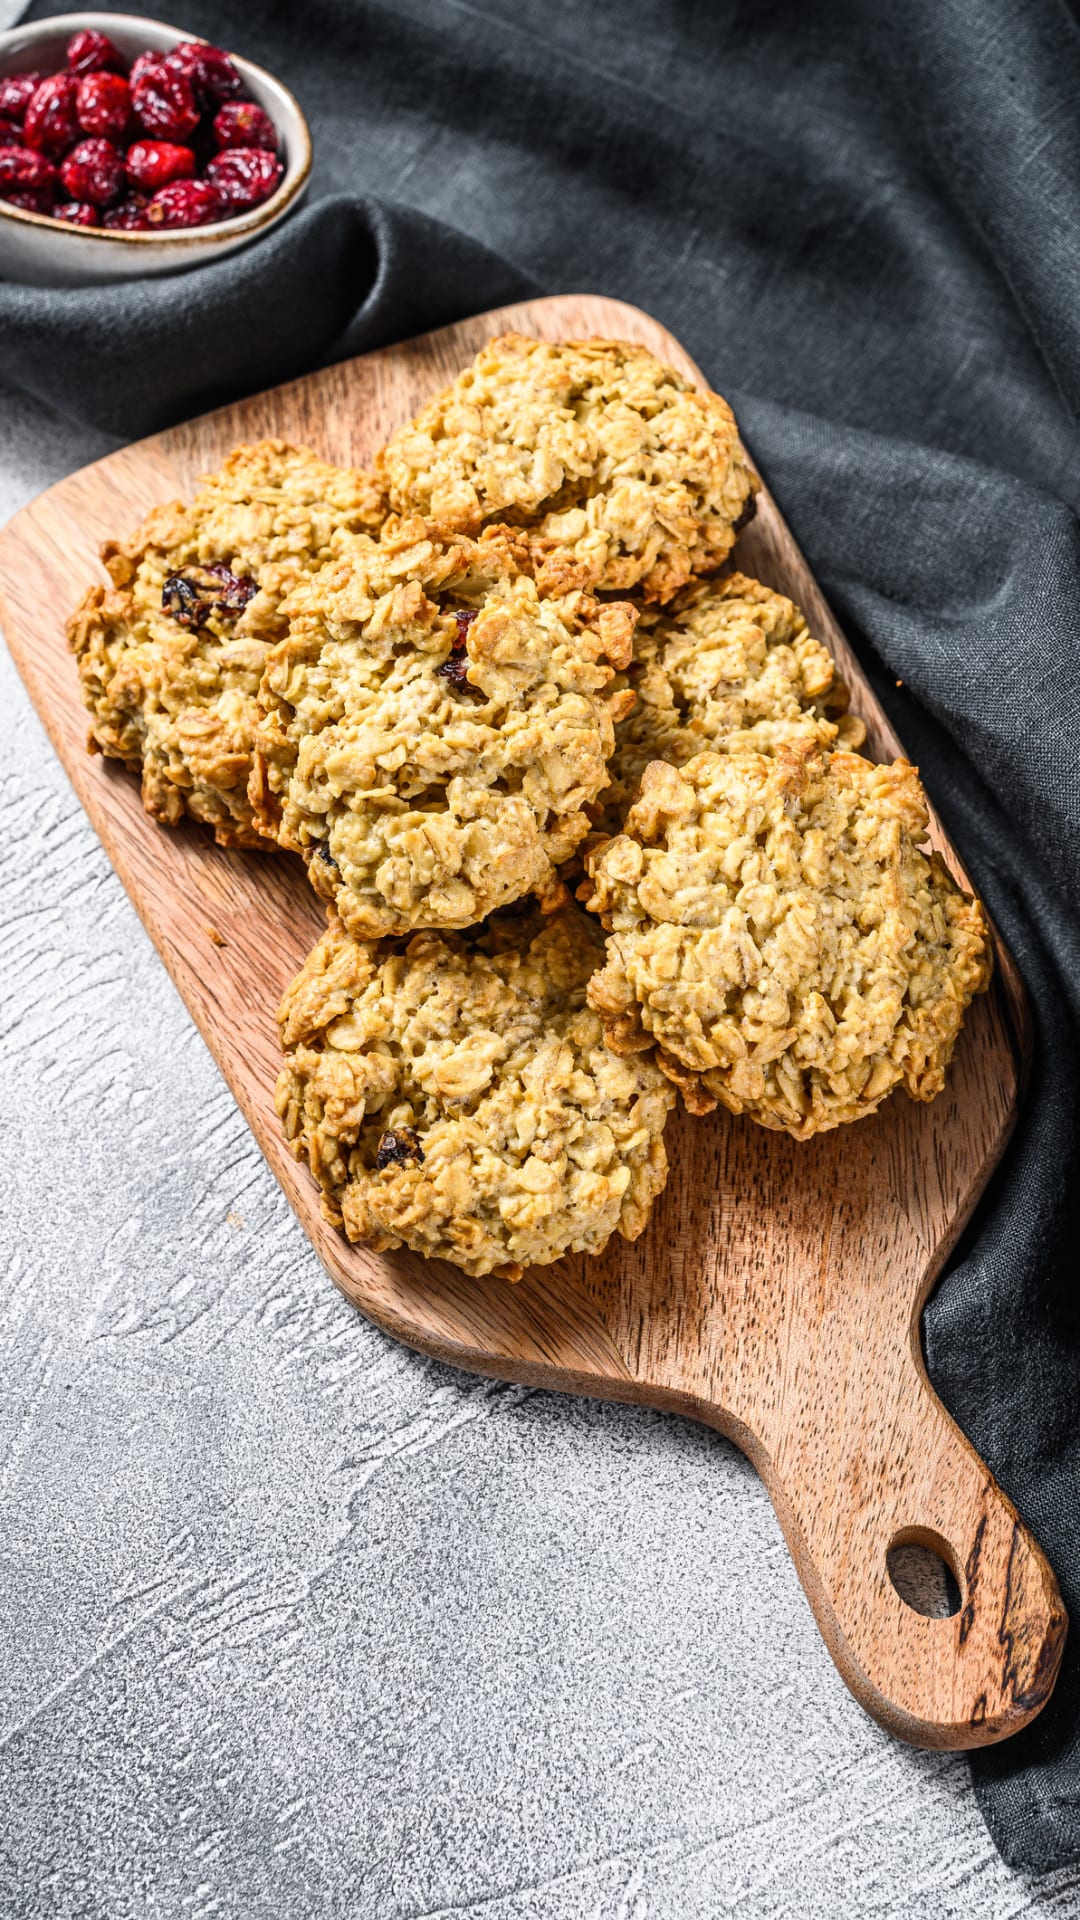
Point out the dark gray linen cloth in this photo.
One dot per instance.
(864, 223)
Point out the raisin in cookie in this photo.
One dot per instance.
(626, 476)
(729, 666)
(170, 659)
(454, 1094)
(434, 727)
(779, 932)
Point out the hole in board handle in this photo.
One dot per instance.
(920, 1566)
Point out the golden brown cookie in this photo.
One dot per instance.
(435, 726)
(171, 657)
(454, 1094)
(625, 475)
(729, 666)
(781, 935)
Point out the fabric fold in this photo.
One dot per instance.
(338, 278)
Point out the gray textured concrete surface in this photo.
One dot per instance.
(295, 1622)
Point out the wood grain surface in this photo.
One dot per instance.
(777, 1292)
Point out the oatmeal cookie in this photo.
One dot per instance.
(455, 1095)
(729, 666)
(625, 475)
(170, 659)
(434, 727)
(779, 933)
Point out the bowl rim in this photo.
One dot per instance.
(59, 26)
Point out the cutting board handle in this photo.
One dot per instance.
(867, 1464)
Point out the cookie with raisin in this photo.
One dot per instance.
(171, 655)
(453, 1093)
(434, 726)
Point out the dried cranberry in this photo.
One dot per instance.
(209, 69)
(747, 514)
(103, 105)
(93, 52)
(163, 102)
(128, 217)
(186, 600)
(191, 597)
(26, 172)
(94, 170)
(186, 203)
(50, 124)
(78, 213)
(245, 176)
(235, 589)
(455, 667)
(141, 62)
(397, 1147)
(10, 134)
(16, 92)
(157, 163)
(240, 123)
(26, 202)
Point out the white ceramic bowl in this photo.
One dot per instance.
(43, 252)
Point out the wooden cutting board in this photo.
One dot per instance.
(777, 1293)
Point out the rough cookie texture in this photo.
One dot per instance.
(435, 727)
(626, 476)
(456, 1095)
(778, 932)
(729, 666)
(171, 658)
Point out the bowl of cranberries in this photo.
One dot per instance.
(128, 147)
